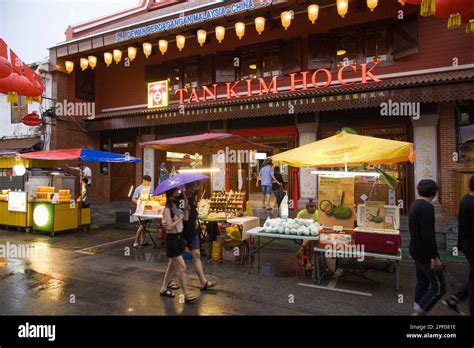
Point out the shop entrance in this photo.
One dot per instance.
(122, 174)
(280, 139)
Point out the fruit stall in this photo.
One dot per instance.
(344, 230)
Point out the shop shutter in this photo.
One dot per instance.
(225, 70)
(318, 52)
(291, 56)
(405, 38)
(205, 70)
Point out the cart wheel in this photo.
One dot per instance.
(390, 267)
(28, 230)
(51, 234)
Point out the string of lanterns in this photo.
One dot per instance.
(456, 10)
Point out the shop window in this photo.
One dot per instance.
(225, 68)
(290, 56)
(346, 49)
(465, 131)
(376, 46)
(85, 84)
(174, 77)
(271, 61)
(19, 110)
(191, 75)
(319, 56)
(248, 64)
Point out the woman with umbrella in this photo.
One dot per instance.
(175, 212)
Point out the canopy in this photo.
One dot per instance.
(350, 149)
(205, 143)
(81, 154)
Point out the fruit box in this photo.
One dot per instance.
(326, 234)
(233, 253)
(379, 240)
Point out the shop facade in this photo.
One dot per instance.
(388, 73)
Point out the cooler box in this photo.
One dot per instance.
(384, 241)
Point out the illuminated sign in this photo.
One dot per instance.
(302, 81)
(158, 94)
(186, 20)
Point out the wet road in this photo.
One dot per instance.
(98, 273)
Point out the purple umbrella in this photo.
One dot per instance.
(178, 181)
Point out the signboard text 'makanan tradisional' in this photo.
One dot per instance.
(301, 81)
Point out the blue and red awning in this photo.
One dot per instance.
(81, 154)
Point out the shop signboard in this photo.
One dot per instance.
(17, 201)
(158, 94)
(336, 201)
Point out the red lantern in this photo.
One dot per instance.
(32, 119)
(23, 86)
(5, 68)
(8, 84)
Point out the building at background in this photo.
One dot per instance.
(17, 136)
(388, 73)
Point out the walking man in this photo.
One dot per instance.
(430, 282)
(466, 245)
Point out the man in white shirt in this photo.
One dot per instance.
(84, 172)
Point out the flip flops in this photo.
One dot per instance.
(172, 285)
(208, 285)
(167, 293)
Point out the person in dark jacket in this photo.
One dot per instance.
(278, 186)
(466, 245)
(430, 282)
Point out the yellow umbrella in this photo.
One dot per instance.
(347, 149)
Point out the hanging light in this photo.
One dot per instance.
(286, 17)
(427, 8)
(220, 33)
(454, 20)
(372, 4)
(117, 56)
(313, 13)
(240, 29)
(403, 2)
(342, 7)
(69, 66)
(201, 36)
(132, 53)
(84, 63)
(108, 58)
(260, 25)
(147, 49)
(470, 27)
(92, 61)
(163, 45)
(180, 40)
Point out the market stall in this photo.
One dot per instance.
(19, 178)
(377, 232)
(58, 211)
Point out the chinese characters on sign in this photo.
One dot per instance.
(158, 94)
(426, 150)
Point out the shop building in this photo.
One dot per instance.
(388, 73)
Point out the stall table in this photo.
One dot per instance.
(55, 217)
(318, 275)
(212, 231)
(257, 232)
(16, 219)
(145, 221)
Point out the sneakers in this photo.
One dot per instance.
(451, 304)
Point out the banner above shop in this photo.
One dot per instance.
(193, 18)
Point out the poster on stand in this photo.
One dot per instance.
(17, 201)
(336, 201)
